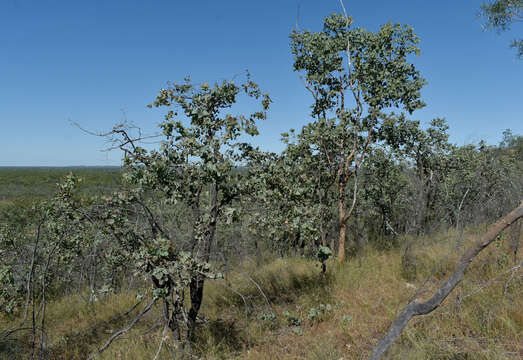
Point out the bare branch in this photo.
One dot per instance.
(124, 330)
(243, 299)
(458, 216)
(308, 87)
(164, 335)
(259, 288)
(513, 270)
(391, 228)
(122, 129)
(365, 146)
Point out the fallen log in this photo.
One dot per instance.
(416, 308)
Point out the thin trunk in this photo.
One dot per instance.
(172, 321)
(211, 230)
(516, 233)
(196, 291)
(323, 236)
(341, 247)
(197, 283)
(322, 227)
(343, 226)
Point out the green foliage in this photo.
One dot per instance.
(297, 330)
(324, 253)
(292, 320)
(318, 314)
(345, 321)
(500, 15)
(267, 316)
(379, 70)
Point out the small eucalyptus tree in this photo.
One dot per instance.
(196, 171)
(352, 96)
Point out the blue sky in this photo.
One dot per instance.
(97, 61)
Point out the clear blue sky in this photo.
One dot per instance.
(91, 61)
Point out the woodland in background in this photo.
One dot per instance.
(195, 209)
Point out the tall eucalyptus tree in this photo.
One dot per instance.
(355, 77)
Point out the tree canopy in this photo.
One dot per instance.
(500, 16)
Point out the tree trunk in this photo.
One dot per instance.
(170, 318)
(323, 235)
(196, 292)
(198, 282)
(516, 233)
(343, 227)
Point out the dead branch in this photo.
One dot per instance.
(513, 270)
(124, 330)
(416, 308)
(119, 136)
(259, 288)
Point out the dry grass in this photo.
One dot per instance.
(482, 319)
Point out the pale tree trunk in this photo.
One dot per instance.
(341, 247)
(323, 236)
(344, 217)
(343, 226)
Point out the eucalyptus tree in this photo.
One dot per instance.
(194, 171)
(428, 151)
(354, 76)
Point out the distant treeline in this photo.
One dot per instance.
(40, 182)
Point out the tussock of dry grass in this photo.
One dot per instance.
(481, 319)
